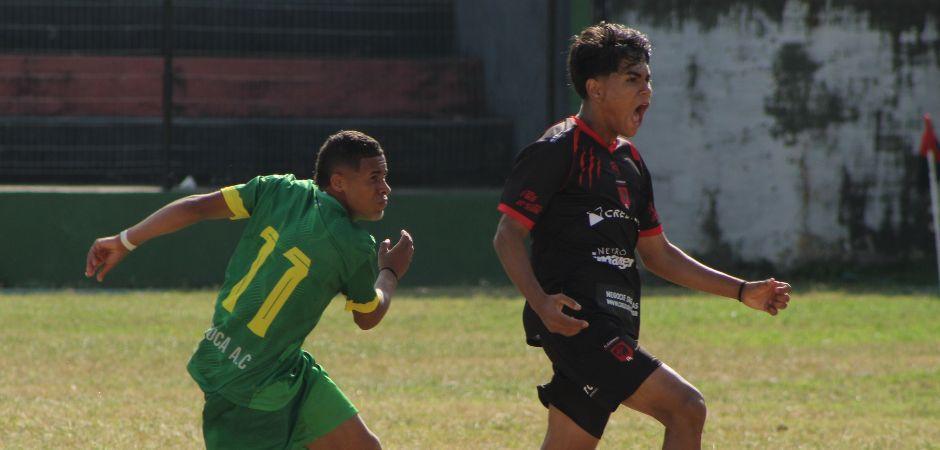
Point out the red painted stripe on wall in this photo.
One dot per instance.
(223, 87)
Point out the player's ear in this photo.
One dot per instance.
(338, 182)
(594, 88)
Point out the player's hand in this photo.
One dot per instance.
(549, 309)
(769, 295)
(398, 258)
(103, 255)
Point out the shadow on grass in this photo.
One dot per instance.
(905, 278)
(908, 278)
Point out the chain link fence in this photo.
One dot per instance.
(151, 91)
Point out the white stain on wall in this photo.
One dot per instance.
(790, 139)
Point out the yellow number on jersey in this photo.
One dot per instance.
(282, 290)
(284, 287)
(270, 237)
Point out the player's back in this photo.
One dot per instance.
(299, 249)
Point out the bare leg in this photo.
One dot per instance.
(564, 434)
(675, 403)
(353, 434)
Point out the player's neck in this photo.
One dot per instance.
(588, 115)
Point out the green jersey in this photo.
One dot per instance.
(299, 249)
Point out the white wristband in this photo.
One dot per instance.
(126, 242)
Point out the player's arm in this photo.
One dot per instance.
(107, 252)
(510, 246)
(669, 262)
(393, 264)
(537, 173)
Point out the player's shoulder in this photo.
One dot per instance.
(348, 234)
(363, 242)
(558, 133)
(625, 144)
(355, 241)
(286, 180)
(277, 178)
(287, 184)
(351, 233)
(557, 139)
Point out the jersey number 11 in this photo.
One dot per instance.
(282, 290)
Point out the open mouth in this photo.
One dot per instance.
(638, 113)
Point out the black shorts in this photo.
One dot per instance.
(594, 370)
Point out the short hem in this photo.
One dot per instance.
(590, 394)
(565, 396)
(322, 409)
(307, 438)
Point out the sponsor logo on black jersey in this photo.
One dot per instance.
(613, 256)
(616, 298)
(528, 200)
(599, 214)
(590, 390)
(621, 349)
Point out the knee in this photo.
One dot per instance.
(693, 411)
(371, 442)
(688, 411)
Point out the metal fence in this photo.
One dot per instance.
(95, 91)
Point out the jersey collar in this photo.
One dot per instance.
(325, 197)
(590, 132)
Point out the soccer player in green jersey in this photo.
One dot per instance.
(301, 246)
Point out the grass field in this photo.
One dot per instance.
(838, 370)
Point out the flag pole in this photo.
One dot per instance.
(932, 169)
(929, 148)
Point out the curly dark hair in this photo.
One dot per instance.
(345, 148)
(600, 50)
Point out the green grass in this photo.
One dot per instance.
(837, 370)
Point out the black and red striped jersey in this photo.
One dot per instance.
(586, 203)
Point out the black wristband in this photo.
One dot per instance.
(740, 291)
(395, 274)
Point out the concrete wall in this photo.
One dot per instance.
(785, 132)
(513, 38)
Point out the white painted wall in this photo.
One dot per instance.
(779, 199)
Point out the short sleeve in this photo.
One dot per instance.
(649, 219)
(538, 172)
(242, 198)
(360, 290)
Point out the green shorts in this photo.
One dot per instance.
(319, 407)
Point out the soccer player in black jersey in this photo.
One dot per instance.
(585, 197)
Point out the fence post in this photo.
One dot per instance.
(166, 177)
(600, 11)
(550, 61)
